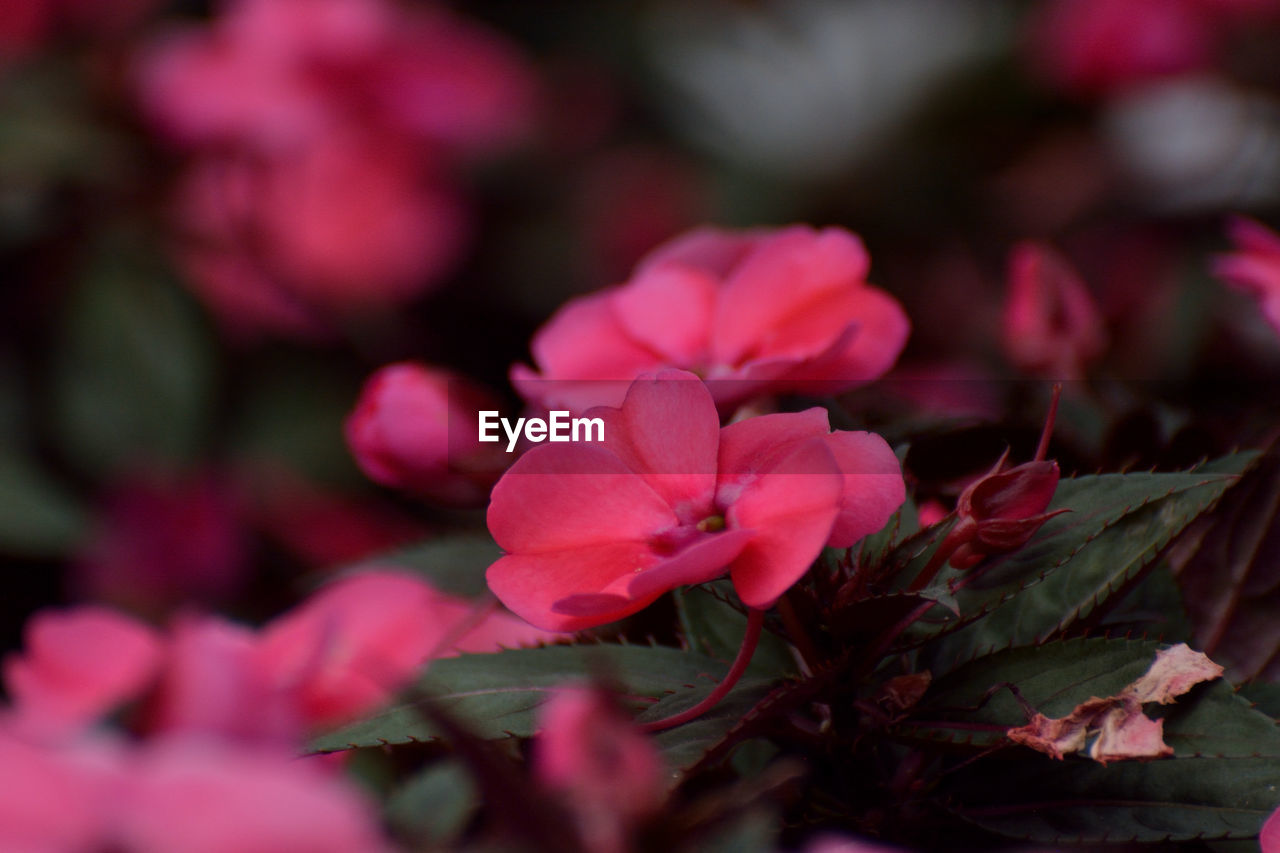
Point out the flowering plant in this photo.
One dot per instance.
(811, 425)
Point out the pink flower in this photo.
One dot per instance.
(595, 532)
(1270, 837)
(175, 796)
(1254, 267)
(79, 665)
(353, 644)
(191, 796)
(607, 772)
(1052, 326)
(1094, 47)
(324, 132)
(752, 312)
(416, 428)
(347, 223)
(163, 541)
(215, 683)
(55, 800)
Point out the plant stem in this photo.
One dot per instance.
(750, 639)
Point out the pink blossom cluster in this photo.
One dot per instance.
(1098, 47)
(223, 708)
(323, 138)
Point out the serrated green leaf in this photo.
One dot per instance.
(1210, 721)
(714, 627)
(495, 695)
(1082, 802)
(683, 746)
(435, 804)
(1116, 528)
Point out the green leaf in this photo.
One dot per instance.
(1211, 721)
(902, 524)
(714, 627)
(1081, 802)
(134, 373)
(496, 695)
(1117, 526)
(1228, 566)
(434, 805)
(37, 517)
(454, 564)
(684, 746)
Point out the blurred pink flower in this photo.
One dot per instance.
(23, 27)
(751, 312)
(323, 135)
(595, 532)
(214, 683)
(1052, 326)
(319, 527)
(1254, 266)
(416, 428)
(175, 796)
(55, 799)
(1094, 47)
(346, 224)
(353, 644)
(79, 665)
(608, 773)
(1269, 840)
(165, 540)
(193, 796)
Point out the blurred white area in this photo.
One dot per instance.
(1196, 144)
(804, 88)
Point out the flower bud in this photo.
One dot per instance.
(1051, 325)
(415, 428)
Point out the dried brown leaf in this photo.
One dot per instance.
(1117, 725)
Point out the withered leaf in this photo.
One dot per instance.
(1116, 724)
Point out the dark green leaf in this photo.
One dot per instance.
(1117, 526)
(1210, 721)
(37, 517)
(1082, 802)
(714, 627)
(135, 369)
(495, 695)
(1228, 565)
(685, 745)
(434, 805)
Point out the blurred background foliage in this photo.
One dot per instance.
(142, 426)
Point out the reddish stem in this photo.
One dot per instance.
(750, 639)
(1042, 449)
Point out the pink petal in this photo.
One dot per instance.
(668, 431)
(756, 444)
(585, 340)
(80, 664)
(792, 509)
(197, 796)
(864, 350)
(1270, 837)
(532, 584)
(668, 310)
(704, 560)
(783, 275)
(873, 485)
(560, 496)
(714, 251)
